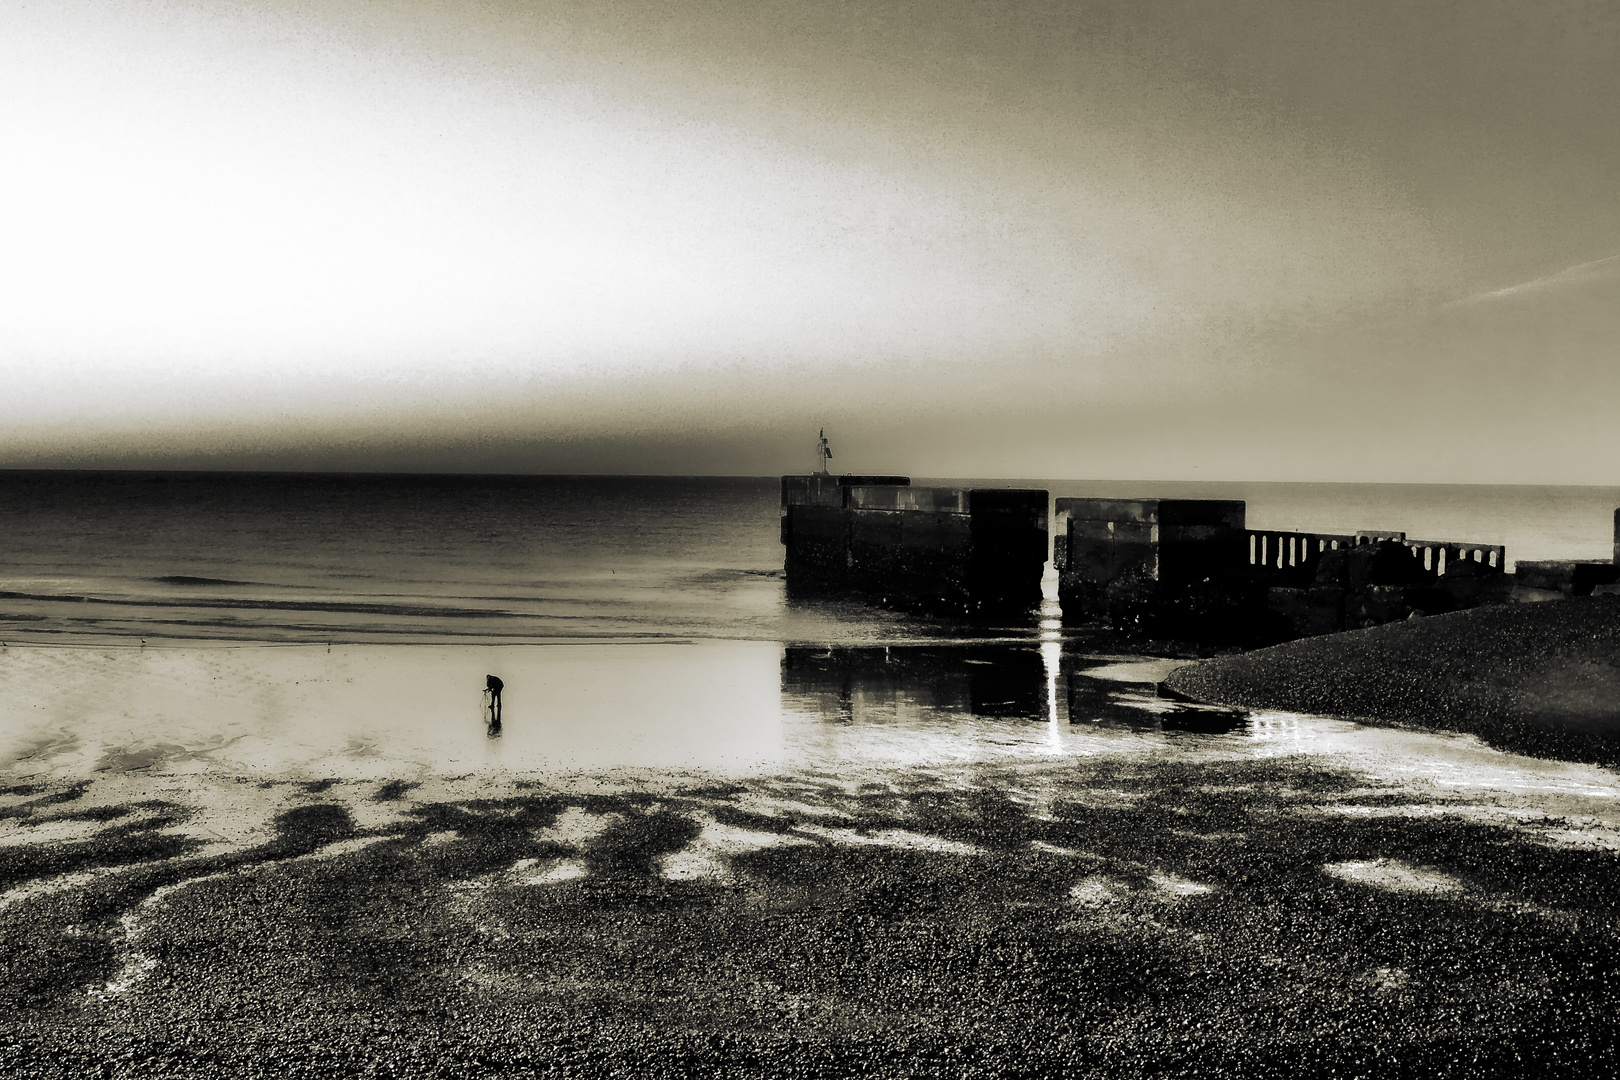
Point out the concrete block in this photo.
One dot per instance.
(812, 490)
(1333, 569)
(825, 489)
(954, 551)
(893, 497)
(1384, 562)
(1156, 566)
(1376, 605)
(1225, 513)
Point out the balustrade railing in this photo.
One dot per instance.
(1272, 549)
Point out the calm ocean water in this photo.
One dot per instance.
(320, 558)
(197, 626)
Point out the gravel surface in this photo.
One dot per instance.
(1540, 679)
(1101, 918)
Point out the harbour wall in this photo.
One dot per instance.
(1191, 569)
(949, 551)
(1187, 569)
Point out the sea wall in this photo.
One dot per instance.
(1187, 569)
(1191, 569)
(951, 551)
(1160, 567)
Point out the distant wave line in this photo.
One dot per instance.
(273, 605)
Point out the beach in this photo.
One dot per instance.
(1539, 678)
(252, 821)
(911, 876)
(1101, 919)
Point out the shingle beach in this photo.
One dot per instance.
(1096, 918)
(1541, 679)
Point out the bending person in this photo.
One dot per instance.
(493, 686)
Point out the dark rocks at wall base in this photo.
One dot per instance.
(1169, 568)
(949, 551)
(1566, 577)
(1470, 584)
(1190, 570)
(1383, 563)
(1306, 612)
(1381, 581)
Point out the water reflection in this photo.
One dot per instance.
(901, 684)
(887, 683)
(1137, 705)
(403, 712)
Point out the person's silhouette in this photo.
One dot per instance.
(493, 686)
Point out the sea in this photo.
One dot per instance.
(210, 557)
(344, 625)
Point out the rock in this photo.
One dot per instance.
(1569, 577)
(1386, 562)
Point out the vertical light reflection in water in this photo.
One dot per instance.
(1051, 653)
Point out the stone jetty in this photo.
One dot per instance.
(1192, 569)
(948, 551)
(1180, 569)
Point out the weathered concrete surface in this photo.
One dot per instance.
(1162, 567)
(1189, 569)
(816, 528)
(951, 551)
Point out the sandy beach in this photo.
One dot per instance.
(1055, 895)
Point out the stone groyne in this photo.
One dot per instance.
(947, 551)
(1191, 569)
(1177, 569)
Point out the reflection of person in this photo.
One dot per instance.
(493, 686)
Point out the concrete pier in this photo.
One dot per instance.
(1162, 567)
(950, 551)
(1191, 569)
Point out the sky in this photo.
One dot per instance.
(1136, 239)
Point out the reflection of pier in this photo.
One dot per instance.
(1137, 705)
(883, 684)
(877, 682)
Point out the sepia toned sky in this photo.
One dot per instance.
(1258, 239)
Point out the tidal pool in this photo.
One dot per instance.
(739, 708)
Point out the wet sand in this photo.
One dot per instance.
(1540, 679)
(1104, 917)
(912, 881)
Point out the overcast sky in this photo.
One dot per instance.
(1257, 239)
